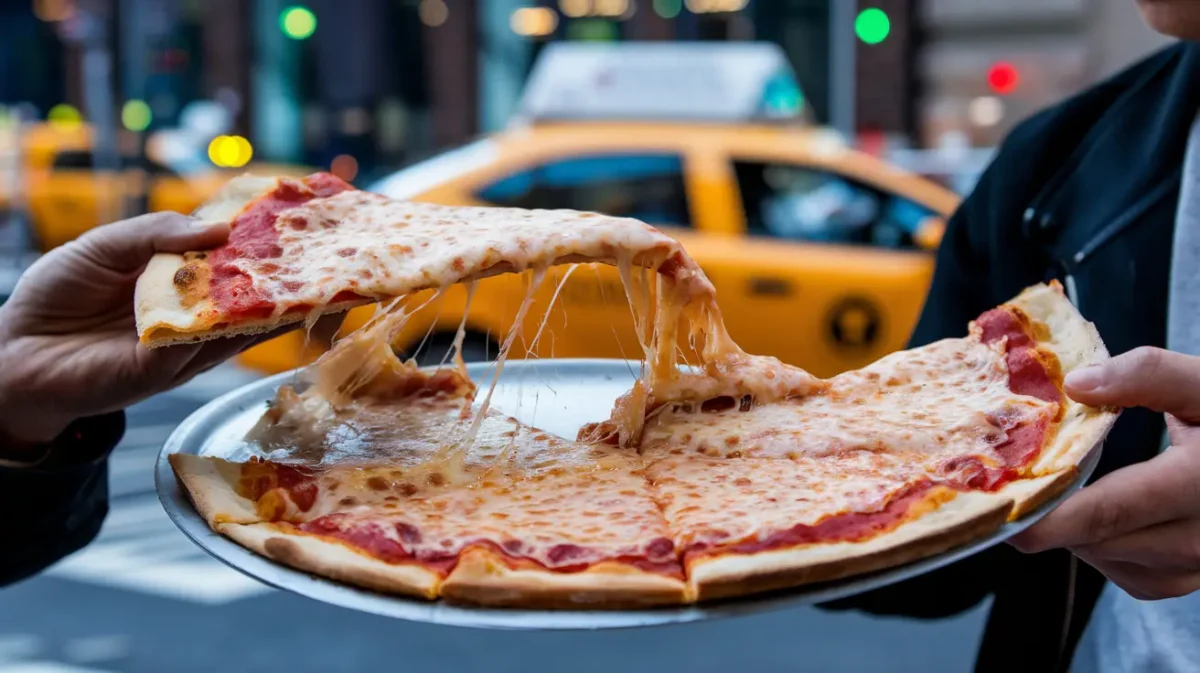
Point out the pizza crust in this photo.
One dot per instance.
(1077, 344)
(483, 577)
(334, 560)
(969, 516)
(209, 483)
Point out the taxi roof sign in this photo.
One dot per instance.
(663, 81)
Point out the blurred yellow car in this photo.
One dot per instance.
(821, 255)
(65, 196)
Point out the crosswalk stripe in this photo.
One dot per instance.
(46, 667)
(139, 549)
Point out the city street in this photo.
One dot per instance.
(143, 599)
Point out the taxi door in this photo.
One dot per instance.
(828, 272)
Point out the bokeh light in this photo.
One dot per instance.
(872, 25)
(668, 9)
(64, 117)
(298, 23)
(344, 166)
(136, 115)
(433, 12)
(534, 21)
(1003, 78)
(230, 151)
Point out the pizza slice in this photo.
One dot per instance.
(747, 525)
(301, 248)
(920, 452)
(396, 484)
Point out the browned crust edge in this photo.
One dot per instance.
(208, 482)
(330, 559)
(483, 577)
(969, 516)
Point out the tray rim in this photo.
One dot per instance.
(191, 433)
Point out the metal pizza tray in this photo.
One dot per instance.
(555, 395)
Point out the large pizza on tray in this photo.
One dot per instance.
(735, 475)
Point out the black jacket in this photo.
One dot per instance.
(55, 508)
(1085, 192)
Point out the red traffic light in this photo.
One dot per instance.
(1003, 78)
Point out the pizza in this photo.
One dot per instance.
(301, 248)
(727, 475)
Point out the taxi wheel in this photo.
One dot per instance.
(476, 348)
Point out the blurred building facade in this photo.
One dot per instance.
(377, 83)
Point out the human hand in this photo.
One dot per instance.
(68, 344)
(1140, 525)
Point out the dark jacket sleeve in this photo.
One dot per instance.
(56, 507)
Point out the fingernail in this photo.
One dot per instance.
(1088, 378)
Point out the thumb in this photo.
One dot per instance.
(128, 245)
(1157, 379)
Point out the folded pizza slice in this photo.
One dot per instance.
(300, 248)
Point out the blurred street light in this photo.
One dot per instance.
(985, 111)
(64, 117)
(715, 6)
(136, 115)
(1003, 78)
(611, 9)
(230, 151)
(668, 9)
(298, 23)
(433, 13)
(872, 25)
(534, 21)
(51, 11)
(575, 8)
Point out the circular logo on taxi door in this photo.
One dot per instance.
(854, 322)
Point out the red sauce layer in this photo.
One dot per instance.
(253, 235)
(260, 477)
(1031, 372)
(845, 527)
(1028, 373)
(373, 539)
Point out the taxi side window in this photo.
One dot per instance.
(648, 187)
(808, 204)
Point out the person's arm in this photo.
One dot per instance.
(54, 496)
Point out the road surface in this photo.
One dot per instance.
(143, 599)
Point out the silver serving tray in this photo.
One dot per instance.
(557, 396)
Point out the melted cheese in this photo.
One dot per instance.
(717, 502)
(559, 518)
(379, 247)
(949, 398)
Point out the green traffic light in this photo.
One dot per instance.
(136, 115)
(298, 23)
(872, 25)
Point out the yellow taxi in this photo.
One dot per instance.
(821, 255)
(65, 196)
